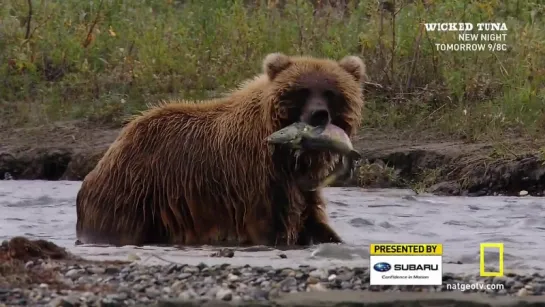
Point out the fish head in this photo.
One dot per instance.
(290, 135)
(282, 136)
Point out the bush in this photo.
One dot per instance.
(104, 59)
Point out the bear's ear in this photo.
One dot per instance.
(275, 63)
(354, 66)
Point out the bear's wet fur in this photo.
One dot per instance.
(200, 172)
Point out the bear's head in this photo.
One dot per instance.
(315, 91)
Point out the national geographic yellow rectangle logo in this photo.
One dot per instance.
(406, 249)
(482, 268)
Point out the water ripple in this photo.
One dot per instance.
(46, 210)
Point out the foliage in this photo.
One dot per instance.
(104, 59)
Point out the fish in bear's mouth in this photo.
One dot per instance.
(328, 139)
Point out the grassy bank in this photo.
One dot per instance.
(102, 60)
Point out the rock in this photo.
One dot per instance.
(522, 292)
(173, 268)
(287, 272)
(232, 277)
(188, 294)
(96, 270)
(73, 273)
(67, 301)
(117, 297)
(259, 294)
(321, 274)
(312, 280)
(517, 285)
(177, 285)
(225, 252)
(445, 188)
(288, 284)
(523, 193)
(212, 292)
(273, 293)
(224, 294)
(184, 275)
(190, 269)
(316, 287)
(133, 257)
(152, 292)
(130, 284)
(111, 270)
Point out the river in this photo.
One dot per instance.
(46, 209)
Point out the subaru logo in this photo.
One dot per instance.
(382, 267)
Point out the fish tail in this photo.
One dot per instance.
(329, 180)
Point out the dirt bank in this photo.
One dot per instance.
(17, 258)
(422, 161)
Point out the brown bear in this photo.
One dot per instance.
(192, 173)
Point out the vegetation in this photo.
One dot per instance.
(103, 59)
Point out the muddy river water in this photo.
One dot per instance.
(46, 209)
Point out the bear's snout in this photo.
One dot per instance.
(319, 117)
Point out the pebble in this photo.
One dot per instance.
(522, 292)
(224, 294)
(73, 273)
(89, 284)
(133, 257)
(232, 277)
(317, 287)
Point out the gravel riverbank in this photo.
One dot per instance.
(40, 273)
(87, 283)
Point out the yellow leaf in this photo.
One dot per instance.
(112, 33)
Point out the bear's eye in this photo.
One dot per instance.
(303, 92)
(330, 95)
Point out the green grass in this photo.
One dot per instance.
(101, 61)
